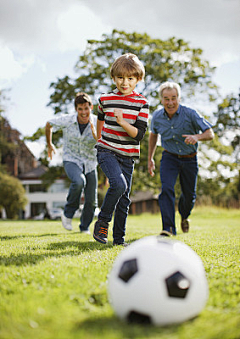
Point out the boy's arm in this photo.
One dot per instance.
(131, 130)
(50, 146)
(100, 124)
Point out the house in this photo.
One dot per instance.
(142, 202)
(39, 198)
(21, 163)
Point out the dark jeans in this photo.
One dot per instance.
(119, 172)
(81, 182)
(187, 169)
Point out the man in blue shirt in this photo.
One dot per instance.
(179, 127)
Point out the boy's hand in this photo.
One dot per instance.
(118, 113)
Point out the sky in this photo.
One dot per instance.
(41, 40)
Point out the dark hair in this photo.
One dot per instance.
(81, 98)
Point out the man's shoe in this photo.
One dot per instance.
(185, 225)
(85, 231)
(165, 234)
(124, 244)
(66, 222)
(100, 232)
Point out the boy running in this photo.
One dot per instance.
(121, 125)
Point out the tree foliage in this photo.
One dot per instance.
(171, 59)
(228, 122)
(12, 196)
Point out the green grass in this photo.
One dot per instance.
(53, 283)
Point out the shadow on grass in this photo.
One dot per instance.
(8, 237)
(53, 250)
(123, 329)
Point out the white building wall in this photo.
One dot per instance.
(56, 195)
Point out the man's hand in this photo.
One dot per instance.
(93, 129)
(51, 150)
(151, 167)
(190, 139)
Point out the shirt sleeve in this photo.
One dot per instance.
(101, 113)
(59, 122)
(142, 122)
(152, 126)
(200, 122)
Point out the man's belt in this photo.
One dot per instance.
(182, 156)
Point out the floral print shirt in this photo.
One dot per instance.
(78, 148)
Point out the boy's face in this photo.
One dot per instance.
(83, 111)
(125, 84)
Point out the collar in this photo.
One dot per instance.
(116, 91)
(177, 112)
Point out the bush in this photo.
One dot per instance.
(12, 196)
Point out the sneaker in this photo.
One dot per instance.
(66, 222)
(85, 231)
(185, 225)
(165, 234)
(100, 232)
(124, 244)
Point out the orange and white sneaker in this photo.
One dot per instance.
(100, 232)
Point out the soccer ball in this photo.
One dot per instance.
(158, 281)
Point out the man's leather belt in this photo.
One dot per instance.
(182, 156)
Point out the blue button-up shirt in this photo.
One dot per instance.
(77, 147)
(184, 121)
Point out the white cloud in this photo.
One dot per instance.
(78, 24)
(11, 67)
(40, 40)
(30, 26)
(212, 25)
(47, 26)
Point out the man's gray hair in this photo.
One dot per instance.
(169, 85)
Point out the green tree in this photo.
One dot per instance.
(163, 60)
(5, 145)
(171, 59)
(228, 128)
(228, 122)
(12, 196)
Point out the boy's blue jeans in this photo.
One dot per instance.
(81, 182)
(119, 172)
(187, 169)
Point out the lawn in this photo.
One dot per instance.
(53, 283)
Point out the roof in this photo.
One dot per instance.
(35, 173)
(143, 196)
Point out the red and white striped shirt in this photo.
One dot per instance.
(135, 111)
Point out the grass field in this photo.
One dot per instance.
(53, 283)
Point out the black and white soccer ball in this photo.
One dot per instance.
(158, 281)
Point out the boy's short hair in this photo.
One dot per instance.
(128, 65)
(169, 85)
(81, 98)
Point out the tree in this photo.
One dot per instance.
(228, 128)
(12, 196)
(164, 60)
(228, 122)
(5, 145)
(12, 193)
